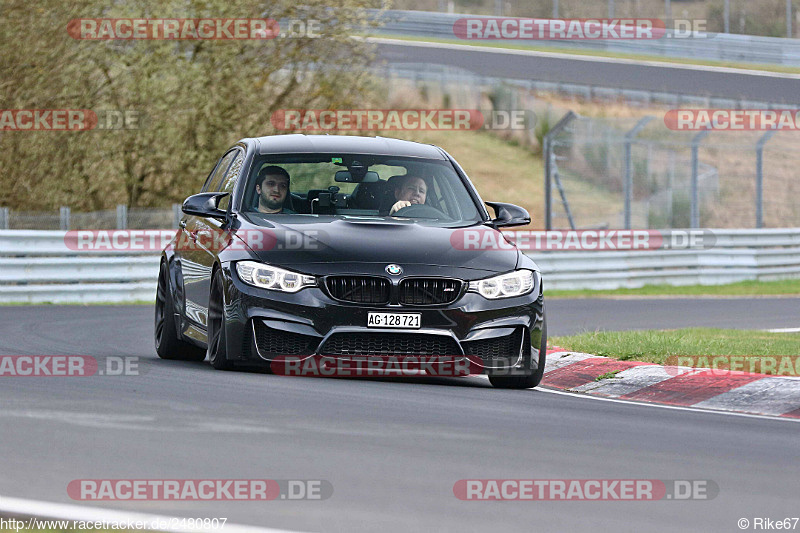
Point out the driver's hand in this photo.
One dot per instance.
(399, 205)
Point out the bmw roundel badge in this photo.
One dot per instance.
(394, 270)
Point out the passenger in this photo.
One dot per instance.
(272, 186)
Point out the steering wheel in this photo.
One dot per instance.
(419, 211)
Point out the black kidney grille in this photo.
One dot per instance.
(390, 344)
(506, 347)
(359, 289)
(276, 342)
(429, 291)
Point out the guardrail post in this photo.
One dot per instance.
(64, 218)
(670, 189)
(177, 215)
(760, 177)
(668, 14)
(555, 9)
(727, 16)
(629, 164)
(122, 216)
(547, 149)
(548, 186)
(611, 9)
(4, 218)
(789, 19)
(695, 217)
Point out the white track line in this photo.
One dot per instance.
(587, 58)
(784, 330)
(663, 406)
(60, 511)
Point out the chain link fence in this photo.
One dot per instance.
(629, 173)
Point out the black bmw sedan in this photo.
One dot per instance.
(341, 247)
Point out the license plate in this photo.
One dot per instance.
(394, 320)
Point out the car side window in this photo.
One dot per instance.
(229, 181)
(213, 183)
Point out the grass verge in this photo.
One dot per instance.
(655, 346)
(742, 288)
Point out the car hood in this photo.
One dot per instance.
(324, 244)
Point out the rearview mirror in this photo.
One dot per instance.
(205, 205)
(508, 215)
(344, 176)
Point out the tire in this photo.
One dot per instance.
(525, 382)
(168, 344)
(217, 348)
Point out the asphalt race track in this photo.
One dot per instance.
(392, 448)
(599, 72)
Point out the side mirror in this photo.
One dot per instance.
(509, 215)
(205, 205)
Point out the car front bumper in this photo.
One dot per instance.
(496, 335)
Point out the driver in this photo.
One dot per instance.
(410, 190)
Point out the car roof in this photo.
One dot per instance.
(346, 144)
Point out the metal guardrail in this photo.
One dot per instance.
(37, 267)
(613, 270)
(716, 47)
(737, 255)
(65, 219)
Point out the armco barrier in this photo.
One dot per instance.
(37, 266)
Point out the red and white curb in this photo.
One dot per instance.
(701, 388)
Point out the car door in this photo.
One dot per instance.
(194, 257)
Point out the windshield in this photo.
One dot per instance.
(427, 190)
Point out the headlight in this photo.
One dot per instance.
(514, 283)
(274, 278)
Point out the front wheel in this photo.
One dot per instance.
(217, 345)
(168, 344)
(531, 380)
